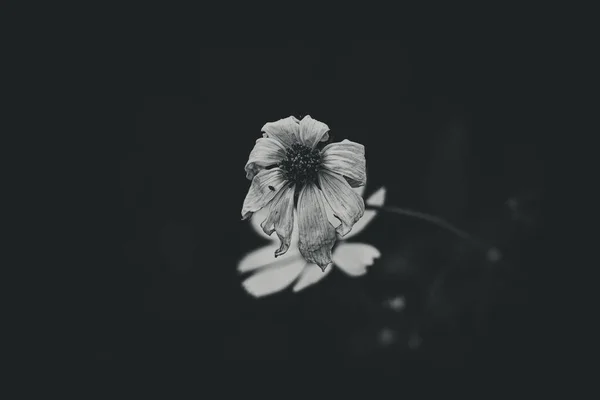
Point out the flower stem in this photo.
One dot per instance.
(432, 219)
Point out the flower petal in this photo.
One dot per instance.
(266, 152)
(312, 132)
(309, 276)
(347, 206)
(258, 218)
(281, 218)
(273, 279)
(348, 159)
(360, 190)
(257, 258)
(285, 130)
(263, 188)
(264, 257)
(317, 235)
(376, 199)
(353, 258)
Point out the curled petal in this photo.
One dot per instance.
(376, 199)
(312, 132)
(265, 185)
(309, 276)
(266, 152)
(274, 279)
(281, 218)
(354, 258)
(286, 130)
(258, 218)
(317, 235)
(348, 159)
(347, 206)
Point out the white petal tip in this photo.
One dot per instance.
(377, 198)
(251, 292)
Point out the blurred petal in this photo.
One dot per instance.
(376, 199)
(347, 206)
(285, 130)
(281, 218)
(354, 258)
(317, 235)
(265, 185)
(266, 152)
(348, 159)
(273, 279)
(257, 258)
(310, 275)
(265, 256)
(312, 132)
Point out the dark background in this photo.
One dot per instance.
(449, 129)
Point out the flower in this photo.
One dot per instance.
(299, 181)
(269, 276)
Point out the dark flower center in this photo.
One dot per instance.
(301, 164)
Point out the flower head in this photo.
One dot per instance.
(301, 183)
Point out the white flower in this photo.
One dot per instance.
(269, 275)
(300, 182)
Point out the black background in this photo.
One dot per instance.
(449, 129)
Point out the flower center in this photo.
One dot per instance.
(301, 164)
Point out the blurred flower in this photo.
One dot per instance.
(386, 337)
(293, 177)
(494, 255)
(397, 303)
(271, 276)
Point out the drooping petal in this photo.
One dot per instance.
(281, 218)
(309, 276)
(264, 257)
(360, 190)
(258, 218)
(317, 235)
(347, 206)
(312, 132)
(348, 159)
(286, 130)
(376, 199)
(354, 258)
(265, 185)
(273, 279)
(266, 152)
